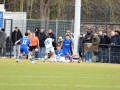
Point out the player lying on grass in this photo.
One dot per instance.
(49, 48)
(60, 57)
(25, 41)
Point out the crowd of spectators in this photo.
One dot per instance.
(108, 45)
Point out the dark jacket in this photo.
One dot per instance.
(105, 40)
(3, 37)
(19, 35)
(88, 35)
(81, 44)
(42, 39)
(52, 35)
(37, 33)
(117, 39)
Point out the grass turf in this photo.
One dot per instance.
(58, 76)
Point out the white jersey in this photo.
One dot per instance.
(48, 43)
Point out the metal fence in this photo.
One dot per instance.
(105, 53)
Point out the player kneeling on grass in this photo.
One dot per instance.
(25, 41)
(34, 45)
(60, 57)
(49, 48)
(67, 48)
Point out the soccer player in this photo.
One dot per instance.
(49, 48)
(25, 41)
(34, 45)
(60, 57)
(67, 46)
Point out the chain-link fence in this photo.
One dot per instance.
(105, 53)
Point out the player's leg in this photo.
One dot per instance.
(36, 52)
(46, 54)
(20, 56)
(29, 55)
(53, 56)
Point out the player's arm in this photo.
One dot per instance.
(17, 42)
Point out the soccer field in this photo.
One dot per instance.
(58, 76)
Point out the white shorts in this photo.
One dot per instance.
(48, 50)
(60, 59)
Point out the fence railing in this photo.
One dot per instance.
(105, 53)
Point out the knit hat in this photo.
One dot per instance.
(3, 29)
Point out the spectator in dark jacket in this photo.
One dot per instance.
(112, 48)
(3, 37)
(16, 35)
(41, 43)
(117, 48)
(37, 32)
(88, 39)
(52, 35)
(88, 36)
(80, 46)
(104, 48)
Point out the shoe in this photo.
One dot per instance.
(13, 57)
(27, 57)
(36, 58)
(4, 57)
(33, 62)
(78, 61)
(17, 60)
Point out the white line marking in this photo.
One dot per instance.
(27, 76)
(60, 85)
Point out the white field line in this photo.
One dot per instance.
(12, 76)
(100, 77)
(60, 85)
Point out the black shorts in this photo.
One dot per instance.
(31, 48)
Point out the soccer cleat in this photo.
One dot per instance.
(17, 61)
(33, 62)
(78, 61)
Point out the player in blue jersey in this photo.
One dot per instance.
(60, 57)
(67, 46)
(25, 41)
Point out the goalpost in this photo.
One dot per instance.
(77, 24)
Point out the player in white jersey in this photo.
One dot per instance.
(49, 47)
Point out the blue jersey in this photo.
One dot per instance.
(67, 44)
(24, 45)
(24, 42)
(60, 52)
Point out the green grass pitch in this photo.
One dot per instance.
(58, 76)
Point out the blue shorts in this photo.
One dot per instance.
(67, 51)
(23, 49)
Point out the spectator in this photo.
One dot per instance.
(16, 35)
(117, 48)
(95, 39)
(52, 35)
(88, 39)
(71, 34)
(37, 32)
(99, 53)
(3, 37)
(60, 41)
(29, 33)
(112, 48)
(80, 46)
(41, 44)
(104, 48)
